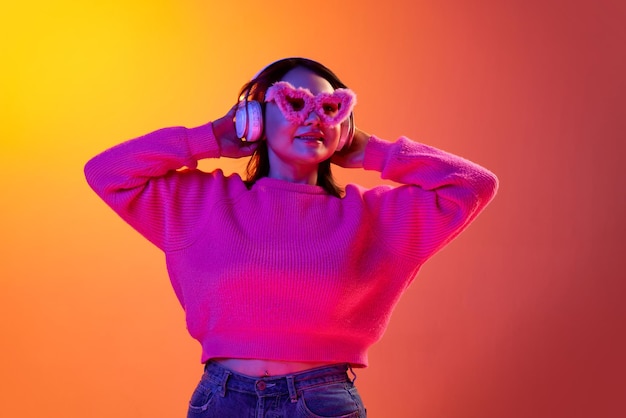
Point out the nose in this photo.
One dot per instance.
(312, 118)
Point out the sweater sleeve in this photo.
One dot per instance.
(440, 195)
(151, 182)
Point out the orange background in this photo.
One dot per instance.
(521, 316)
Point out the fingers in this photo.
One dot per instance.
(250, 147)
(232, 111)
(353, 155)
(236, 148)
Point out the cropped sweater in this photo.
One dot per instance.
(280, 270)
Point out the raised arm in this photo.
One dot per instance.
(441, 194)
(151, 183)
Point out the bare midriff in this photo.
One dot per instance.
(261, 368)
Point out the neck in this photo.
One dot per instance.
(302, 175)
(303, 172)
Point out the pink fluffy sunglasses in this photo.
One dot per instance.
(297, 103)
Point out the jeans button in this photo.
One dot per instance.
(261, 385)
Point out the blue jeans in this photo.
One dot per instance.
(323, 392)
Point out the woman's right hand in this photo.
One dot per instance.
(230, 145)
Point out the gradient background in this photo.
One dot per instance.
(521, 316)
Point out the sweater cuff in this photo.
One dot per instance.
(202, 142)
(376, 153)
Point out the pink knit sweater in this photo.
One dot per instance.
(284, 271)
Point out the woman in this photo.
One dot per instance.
(285, 278)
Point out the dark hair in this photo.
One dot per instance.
(259, 165)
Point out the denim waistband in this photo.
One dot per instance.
(289, 384)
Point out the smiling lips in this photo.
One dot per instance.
(311, 136)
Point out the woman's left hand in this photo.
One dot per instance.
(352, 156)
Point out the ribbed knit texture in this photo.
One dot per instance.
(284, 271)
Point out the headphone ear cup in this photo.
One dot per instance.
(249, 121)
(347, 132)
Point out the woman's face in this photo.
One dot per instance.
(300, 145)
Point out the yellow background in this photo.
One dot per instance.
(521, 316)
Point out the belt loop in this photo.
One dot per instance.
(224, 381)
(292, 389)
(353, 374)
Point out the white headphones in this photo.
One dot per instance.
(249, 120)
